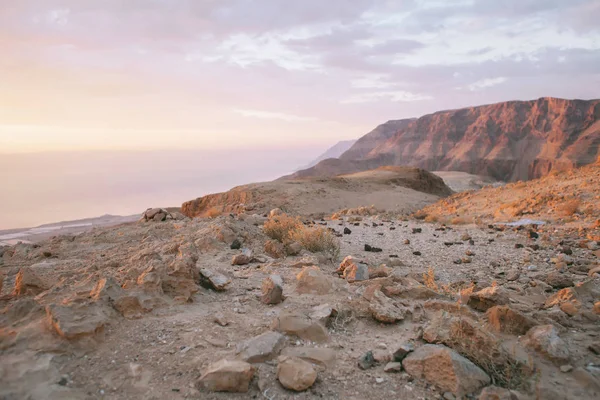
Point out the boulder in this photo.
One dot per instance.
(302, 326)
(275, 249)
(73, 321)
(545, 340)
(558, 280)
(227, 376)
(295, 374)
(322, 356)
(311, 280)
(445, 369)
(29, 283)
(272, 290)
(488, 298)
(261, 348)
(384, 310)
(506, 320)
(213, 280)
(241, 259)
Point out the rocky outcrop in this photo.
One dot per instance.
(509, 141)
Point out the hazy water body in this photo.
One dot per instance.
(51, 187)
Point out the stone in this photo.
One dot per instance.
(382, 356)
(347, 231)
(366, 361)
(393, 367)
(379, 272)
(272, 290)
(513, 275)
(445, 369)
(323, 313)
(302, 326)
(29, 283)
(322, 356)
(150, 281)
(241, 259)
(236, 244)
(506, 320)
(261, 348)
(488, 298)
(220, 319)
(295, 374)
(566, 368)
(275, 212)
(74, 321)
(545, 340)
(402, 351)
(311, 280)
(384, 310)
(213, 280)
(275, 249)
(356, 272)
(227, 376)
(496, 393)
(558, 280)
(293, 249)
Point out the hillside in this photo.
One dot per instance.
(567, 197)
(395, 189)
(509, 141)
(333, 152)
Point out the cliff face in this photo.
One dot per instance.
(516, 140)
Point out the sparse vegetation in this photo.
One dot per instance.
(287, 229)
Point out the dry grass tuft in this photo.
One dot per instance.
(282, 227)
(317, 239)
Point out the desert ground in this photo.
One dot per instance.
(444, 300)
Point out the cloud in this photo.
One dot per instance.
(486, 83)
(394, 96)
(273, 115)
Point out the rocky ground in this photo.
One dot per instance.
(173, 308)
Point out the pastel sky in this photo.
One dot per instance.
(146, 74)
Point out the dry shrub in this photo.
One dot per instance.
(431, 218)
(429, 280)
(317, 239)
(460, 221)
(282, 227)
(421, 214)
(568, 208)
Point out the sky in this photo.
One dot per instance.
(218, 74)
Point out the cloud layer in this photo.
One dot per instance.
(272, 71)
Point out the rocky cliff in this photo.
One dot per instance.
(509, 141)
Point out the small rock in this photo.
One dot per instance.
(347, 231)
(417, 230)
(241, 259)
(366, 361)
(322, 356)
(416, 253)
(488, 298)
(261, 348)
(293, 249)
(558, 280)
(213, 280)
(272, 290)
(406, 241)
(384, 310)
(295, 374)
(323, 313)
(393, 367)
(236, 244)
(402, 351)
(566, 368)
(227, 376)
(275, 249)
(220, 319)
(302, 326)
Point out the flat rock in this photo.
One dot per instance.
(272, 290)
(488, 298)
(445, 369)
(393, 367)
(302, 326)
(558, 280)
(74, 321)
(321, 356)
(295, 374)
(323, 313)
(261, 348)
(384, 310)
(29, 283)
(227, 376)
(506, 320)
(213, 280)
(545, 340)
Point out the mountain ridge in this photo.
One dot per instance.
(509, 141)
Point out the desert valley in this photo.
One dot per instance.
(451, 256)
